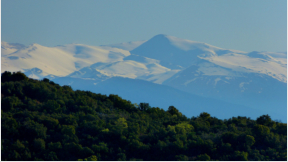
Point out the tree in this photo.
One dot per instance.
(144, 106)
(87, 152)
(5, 77)
(68, 130)
(55, 146)
(18, 76)
(181, 157)
(52, 106)
(9, 103)
(51, 156)
(101, 148)
(249, 140)
(18, 146)
(120, 125)
(173, 111)
(184, 127)
(91, 158)
(264, 120)
(34, 130)
(240, 156)
(205, 115)
(203, 157)
(121, 157)
(39, 144)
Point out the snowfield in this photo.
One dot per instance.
(59, 60)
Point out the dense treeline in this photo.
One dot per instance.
(44, 121)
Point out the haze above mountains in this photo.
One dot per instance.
(164, 71)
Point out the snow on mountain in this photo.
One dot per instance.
(59, 60)
(146, 70)
(154, 60)
(176, 53)
(238, 86)
(74, 60)
(256, 79)
(253, 63)
(35, 73)
(88, 72)
(7, 48)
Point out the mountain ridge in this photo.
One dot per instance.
(166, 60)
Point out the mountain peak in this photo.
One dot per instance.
(159, 39)
(160, 36)
(174, 50)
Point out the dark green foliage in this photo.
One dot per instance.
(41, 120)
(15, 76)
(264, 120)
(203, 157)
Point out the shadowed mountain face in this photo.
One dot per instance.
(160, 48)
(250, 89)
(172, 51)
(257, 80)
(163, 96)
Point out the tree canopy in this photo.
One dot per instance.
(44, 121)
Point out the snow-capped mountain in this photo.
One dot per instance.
(179, 53)
(250, 89)
(59, 60)
(176, 53)
(257, 79)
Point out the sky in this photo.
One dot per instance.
(246, 25)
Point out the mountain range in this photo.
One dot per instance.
(163, 71)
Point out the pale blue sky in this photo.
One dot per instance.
(247, 25)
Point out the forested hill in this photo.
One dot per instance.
(44, 121)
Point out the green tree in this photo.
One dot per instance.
(184, 127)
(68, 130)
(249, 140)
(173, 111)
(91, 158)
(87, 152)
(52, 106)
(10, 102)
(203, 157)
(51, 156)
(181, 157)
(41, 120)
(204, 115)
(121, 157)
(240, 156)
(18, 146)
(264, 120)
(120, 125)
(39, 144)
(55, 146)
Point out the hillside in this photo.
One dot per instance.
(41, 120)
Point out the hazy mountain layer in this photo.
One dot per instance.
(163, 96)
(256, 79)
